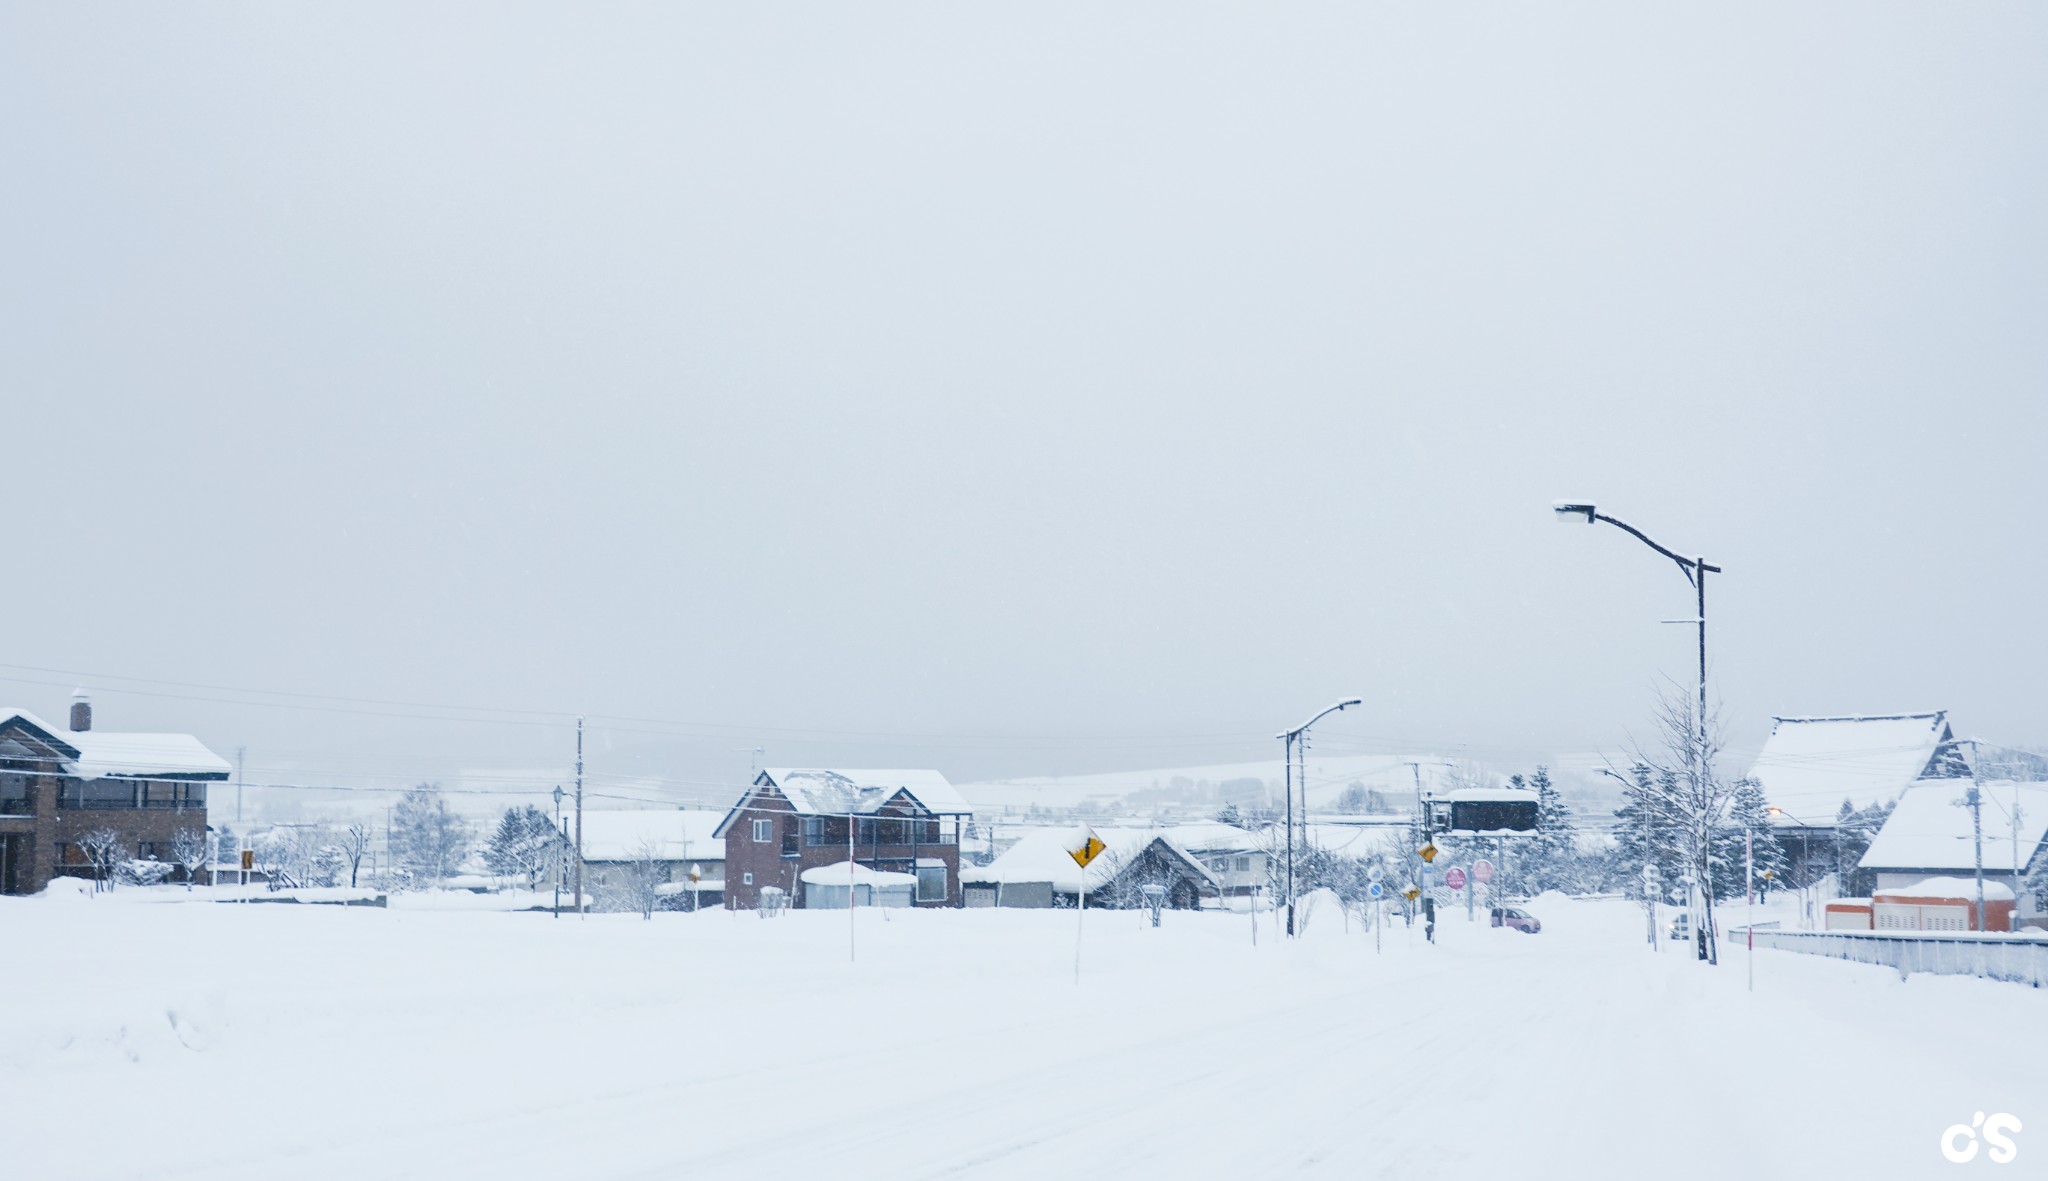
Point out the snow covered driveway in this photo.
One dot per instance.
(311, 1042)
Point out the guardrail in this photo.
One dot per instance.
(1998, 957)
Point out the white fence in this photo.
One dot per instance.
(2016, 958)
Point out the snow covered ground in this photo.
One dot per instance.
(321, 1042)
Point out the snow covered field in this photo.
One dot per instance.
(319, 1042)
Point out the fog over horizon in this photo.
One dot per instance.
(1014, 390)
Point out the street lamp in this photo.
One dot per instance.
(1292, 739)
(1695, 569)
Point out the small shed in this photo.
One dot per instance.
(826, 887)
(1847, 914)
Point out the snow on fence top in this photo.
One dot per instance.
(1931, 830)
(1822, 761)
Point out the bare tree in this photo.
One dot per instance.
(1692, 796)
(644, 875)
(189, 848)
(354, 843)
(104, 849)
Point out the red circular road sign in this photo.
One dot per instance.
(1455, 878)
(1482, 870)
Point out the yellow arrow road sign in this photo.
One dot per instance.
(1090, 847)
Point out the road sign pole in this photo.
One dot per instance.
(1080, 919)
(1470, 890)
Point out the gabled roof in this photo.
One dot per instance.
(1931, 830)
(1042, 856)
(818, 791)
(1815, 763)
(98, 754)
(674, 834)
(45, 733)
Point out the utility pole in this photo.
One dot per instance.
(558, 851)
(239, 752)
(1287, 757)
(1974, 800)
(579, 814)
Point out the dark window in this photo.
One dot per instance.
(13, 793)
(814, 830)
(97, 793)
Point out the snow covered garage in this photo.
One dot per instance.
(826, 886)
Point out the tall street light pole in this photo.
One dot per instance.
(1289, 739)
(1695, 570)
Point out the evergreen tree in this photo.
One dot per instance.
(1228, 814)
(1647, 832)
(1855, 828)
(1749, 817)
(1554, 862)
(522, 844)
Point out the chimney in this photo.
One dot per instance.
(81, 711)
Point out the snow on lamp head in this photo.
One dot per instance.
(1571, 512)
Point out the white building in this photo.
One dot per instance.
(1931, 834)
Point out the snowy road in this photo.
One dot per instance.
(204, 1040)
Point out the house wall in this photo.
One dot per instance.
(33, 857)
(786, 854)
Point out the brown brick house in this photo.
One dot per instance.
(56, 785)
(792, 820)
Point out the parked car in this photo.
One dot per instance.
(1681, 927)
(1514, 916)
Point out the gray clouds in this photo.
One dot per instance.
(1043, 371)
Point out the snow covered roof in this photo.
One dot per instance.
(1818, 762)
(818, 791)
(1488, 795)
(1947, 887)
(837, 792)
(837, 873)
(1041, 856)
(1931, 830)
(620, 834)
(97, 754)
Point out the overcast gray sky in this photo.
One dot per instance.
(1016, 388)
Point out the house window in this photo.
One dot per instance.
(764, 832)
(814, 830)
(98, 793)
(746, 879)
(1244, 865)
(931, 883)
(13, 794)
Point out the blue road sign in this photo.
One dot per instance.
(1374, 890)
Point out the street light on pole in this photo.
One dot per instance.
(1695, 570)
(1289, 739)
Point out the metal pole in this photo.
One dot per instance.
(1749, 873)
(1976, 801)
(1701, 793)
(1081, 919)
(579, 814)
(239, 752)
(850, 957)
(1288, 751)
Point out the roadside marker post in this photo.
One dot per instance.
(1086, 848)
